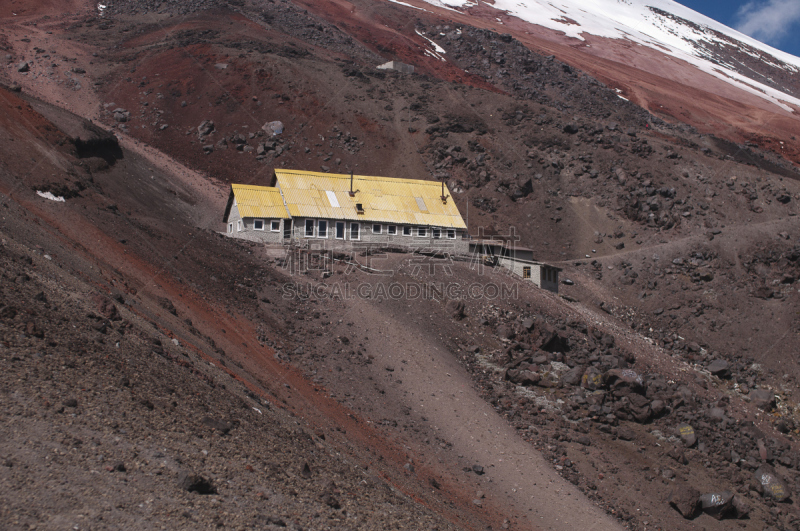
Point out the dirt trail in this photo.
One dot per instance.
(438, 390)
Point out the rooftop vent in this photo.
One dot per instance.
(360, 208)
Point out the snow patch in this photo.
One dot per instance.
(640, 22)
(51, 197)
(408, 5)
(438, 50)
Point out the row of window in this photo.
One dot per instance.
(258, 224)
(319, 229)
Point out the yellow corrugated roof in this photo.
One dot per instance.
(384, 199)
(259, 202)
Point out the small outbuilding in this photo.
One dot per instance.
(398, 67)
(518, 260)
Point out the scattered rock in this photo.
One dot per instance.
(219, 425)
(720, 368)
(456, 309)
(687, 435)
(763, 398)
(625, 433)
(570, 129)
(741, 509)
(194, 483)
(205, 128)
(273, 128)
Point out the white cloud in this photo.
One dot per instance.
(768, 21)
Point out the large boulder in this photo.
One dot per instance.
(717, 504)
(592, 379)
(770, 484)
(687, 435)
(685, 499)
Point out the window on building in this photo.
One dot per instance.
(309, 228)
(436, 233)
(322, 229)
(526, 272)
(239, 226)
(230, 227)
(339, 230)
(275, 225)
(451, 234)
(355, 231)
(391, 229)
(258, 224)
(422, 231)
(406, 231)
(376, 229)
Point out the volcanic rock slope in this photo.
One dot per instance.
(160, 374)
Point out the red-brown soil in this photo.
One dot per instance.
(395, 404)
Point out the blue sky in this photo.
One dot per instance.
(775, 22)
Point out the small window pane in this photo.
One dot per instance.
(354, 231)
(392, 229)
(322, 229)
(275, 225)
(309, 228)
(451, 234)
(437, 233)
(258, 224)
(422, 231)
(376, 229)
(406, 231)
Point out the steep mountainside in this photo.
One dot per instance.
(160, 374)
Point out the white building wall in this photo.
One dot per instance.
(538, 273)
(366, 235)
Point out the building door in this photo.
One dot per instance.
(340, 230)
(287, 228)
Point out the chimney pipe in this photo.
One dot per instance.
(352, 193)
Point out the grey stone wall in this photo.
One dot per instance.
(246, 229)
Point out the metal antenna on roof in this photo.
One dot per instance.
(352, 193)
